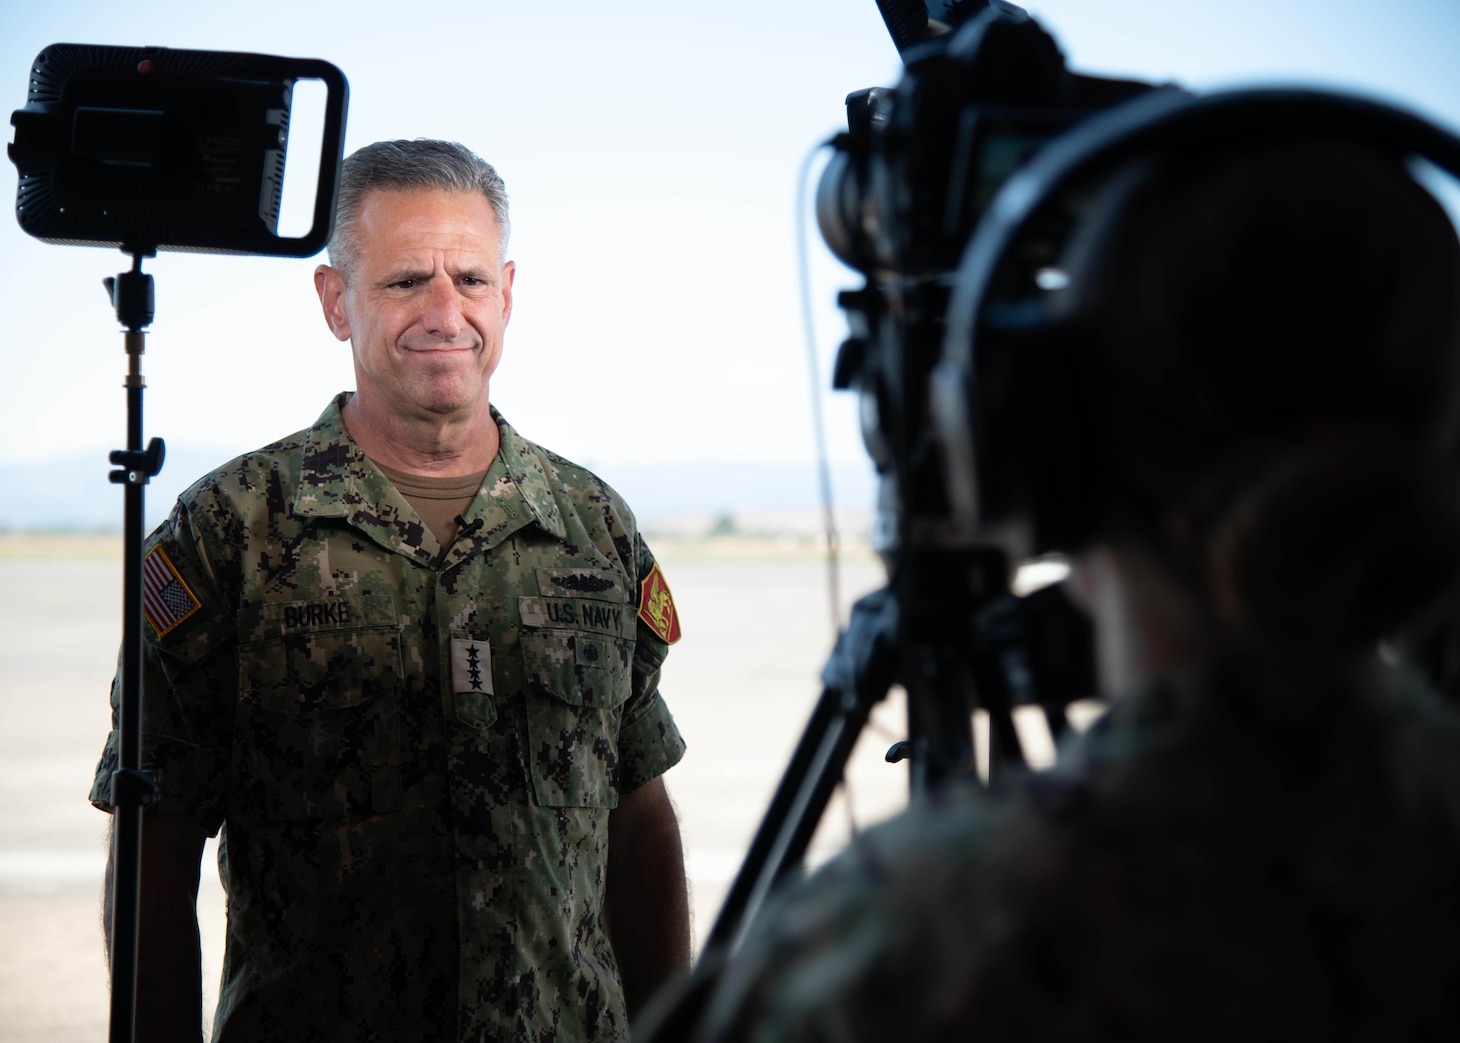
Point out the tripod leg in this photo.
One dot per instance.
(856, 677)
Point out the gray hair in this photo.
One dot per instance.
(408, 166)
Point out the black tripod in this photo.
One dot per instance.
(132, 788)
(950, 632)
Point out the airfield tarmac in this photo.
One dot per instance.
(757, 625)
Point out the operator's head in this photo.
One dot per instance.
(1272, 335)
(410, 166)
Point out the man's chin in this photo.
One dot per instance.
(453, 403)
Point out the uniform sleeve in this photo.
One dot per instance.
(649, 741)
(188, 682)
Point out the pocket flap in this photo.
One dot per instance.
(578, 667)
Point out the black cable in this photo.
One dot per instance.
(823, 465)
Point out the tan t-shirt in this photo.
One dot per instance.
(439, 501)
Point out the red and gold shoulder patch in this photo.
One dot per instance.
(166, 599)
(656, 606)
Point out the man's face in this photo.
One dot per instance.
(427, 303)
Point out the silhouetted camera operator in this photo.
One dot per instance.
(1262, 838)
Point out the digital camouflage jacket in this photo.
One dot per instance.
(414, 752)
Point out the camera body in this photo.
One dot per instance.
(903, 194)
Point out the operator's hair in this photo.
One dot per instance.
(1274, 366)
(411, 166)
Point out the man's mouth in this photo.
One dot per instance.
(438, 349)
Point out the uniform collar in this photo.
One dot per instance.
(337, 480)
(523, 465)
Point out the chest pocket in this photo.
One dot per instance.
(577, 650)
(319, 694)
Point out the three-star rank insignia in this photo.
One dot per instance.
(656, 606)
(166, 599)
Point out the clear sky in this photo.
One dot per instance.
(651, 151)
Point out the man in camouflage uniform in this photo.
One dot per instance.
(410, 661)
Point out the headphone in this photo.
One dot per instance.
(1005, 397)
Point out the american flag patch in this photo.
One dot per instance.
(166, 599)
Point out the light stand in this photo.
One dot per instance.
(132, 788)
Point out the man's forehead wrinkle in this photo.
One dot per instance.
(401, 235)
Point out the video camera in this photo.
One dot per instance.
(985, 88)
(955, 194)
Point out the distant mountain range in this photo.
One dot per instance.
(72, 494)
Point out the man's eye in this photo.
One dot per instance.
(403, 284)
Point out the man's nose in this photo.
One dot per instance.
(443, 317)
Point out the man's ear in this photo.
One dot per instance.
(509, 272)
(330, 285)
